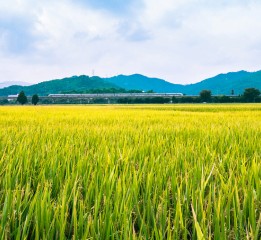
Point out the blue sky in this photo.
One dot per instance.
(181, 41)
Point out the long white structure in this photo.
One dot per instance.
(109, 95)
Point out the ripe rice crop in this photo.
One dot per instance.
(130, 172)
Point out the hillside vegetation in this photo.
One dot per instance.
(225, 83)
(222, 84)
(79, 83)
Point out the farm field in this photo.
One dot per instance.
(130, 172)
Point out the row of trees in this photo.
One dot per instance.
(249, 95)
(22, 99)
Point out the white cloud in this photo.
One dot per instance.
(182, 41)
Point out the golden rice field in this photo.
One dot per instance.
(130, 172)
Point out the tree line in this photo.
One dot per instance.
(22, 98)
(249, 95)
(205, 96)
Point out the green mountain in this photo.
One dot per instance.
(7, 84)
(140, 82)
(225, 83)
(80, 83)
(221, 84)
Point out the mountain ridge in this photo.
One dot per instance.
(12, 83)
(221, 84)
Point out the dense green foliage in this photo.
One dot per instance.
(251, 94)
(35, 99)
(4, 101)
(136, 172)
(22, 99)
(205, 95)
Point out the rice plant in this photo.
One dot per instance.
(130, 172)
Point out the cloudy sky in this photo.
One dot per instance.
(181, 41)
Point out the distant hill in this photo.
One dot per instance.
(79, 83)
(224, 83)
(140, 82)
(221, 84)
(7, 84)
